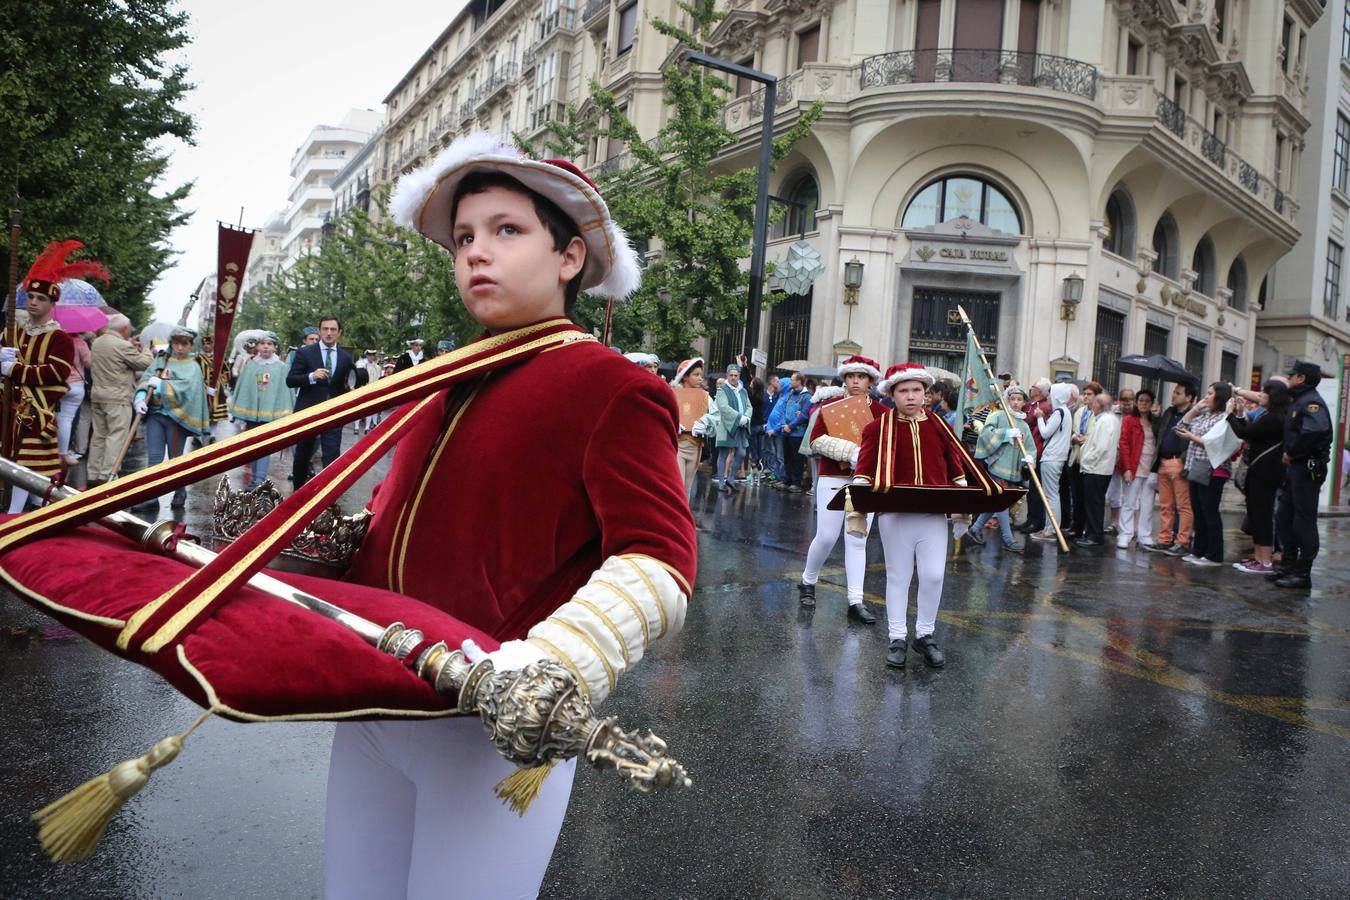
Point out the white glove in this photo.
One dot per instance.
(853, 458)
(140, 406)
(8, 354)
(509, 657)
(699, 429)
(1029, 460)
(745, 420)
(6, 366)
(210, 392)
(1010, 434)
(153, 382)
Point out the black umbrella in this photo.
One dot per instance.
(1164, 368)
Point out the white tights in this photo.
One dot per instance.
(908, 538)
(829, 523)
(411, 813)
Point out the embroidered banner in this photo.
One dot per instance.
(232, 260)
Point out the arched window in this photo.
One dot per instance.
(1237, 283)
(803, 199)
(1202, 263)
(1165, 245)
(1120, 224)
(962, 195)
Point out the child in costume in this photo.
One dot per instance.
(1005, 459)
(260, 395)
(690, 375)
(837, 455)
(587, 560)
(907, 446)
(172, 402)
(41, 362)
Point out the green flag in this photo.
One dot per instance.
(978, 390)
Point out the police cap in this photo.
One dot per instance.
(1310, 370)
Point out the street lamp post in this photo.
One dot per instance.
(761, 233)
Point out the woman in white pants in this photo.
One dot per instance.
(689, 445)
(1136, 508)
(906, 446)
(836, 455)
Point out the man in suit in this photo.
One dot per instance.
(319, 372)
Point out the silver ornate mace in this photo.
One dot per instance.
(534, 717)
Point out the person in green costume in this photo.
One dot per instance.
(261, 396)
(171, 401)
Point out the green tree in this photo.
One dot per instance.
(679, 196)
(87, 104)
(385, 284)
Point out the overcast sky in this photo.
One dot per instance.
(266, 73)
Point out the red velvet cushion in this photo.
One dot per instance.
(262, 657)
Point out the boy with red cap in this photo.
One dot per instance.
(837, 454)
(906, 446)
(41, 360)
(586, 559)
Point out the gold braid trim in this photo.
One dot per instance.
(556, 651)
(589, 642)
(609, 623)
(633, 605)
(679, 579)
(660, 608)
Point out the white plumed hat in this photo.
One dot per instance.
(422, 198)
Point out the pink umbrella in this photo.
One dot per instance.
(79, 318)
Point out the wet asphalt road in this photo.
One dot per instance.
(1109, 724)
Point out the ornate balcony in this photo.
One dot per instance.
(498, 79)
(593, 9)
(1040, 70)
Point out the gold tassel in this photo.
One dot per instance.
(519, 789)
(70, 829)
(848, 499)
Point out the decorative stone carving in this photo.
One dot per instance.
(1145, 258)
(824, 82)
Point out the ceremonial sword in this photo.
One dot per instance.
(535, 716)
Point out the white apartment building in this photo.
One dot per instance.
(1307, 313)
(324, 152)
(1141, 158)
(352, 183)
(265, 256)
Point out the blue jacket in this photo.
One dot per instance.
(774, 420)
(796, 409)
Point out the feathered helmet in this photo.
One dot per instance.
(421, 201)
(53, 264)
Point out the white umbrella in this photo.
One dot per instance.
(157, 333)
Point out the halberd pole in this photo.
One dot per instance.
(1003, 404)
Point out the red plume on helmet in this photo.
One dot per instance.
(54, 263)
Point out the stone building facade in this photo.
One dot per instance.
(1139, 157)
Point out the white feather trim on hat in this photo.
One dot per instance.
(860, 368)
(421, 202)
(826, 392)
(896, 374)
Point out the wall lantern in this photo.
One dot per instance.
(1071, 297)
(853, 279)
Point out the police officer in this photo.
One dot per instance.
(1307, 448)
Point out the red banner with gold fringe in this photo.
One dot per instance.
(232, 260)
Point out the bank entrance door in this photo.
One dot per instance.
(937, 336)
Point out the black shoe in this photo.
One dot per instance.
(857, 612)
(927, 647)
(1014, 548)
(1281, 570)
(975, 537)
(896, 657)
(734, 486)
(1028, 528)
(722, 488)
(1297, 577)
(806, 594)
(1088, 542)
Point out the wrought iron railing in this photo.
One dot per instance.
(593, 8)
(466, 109)
(1279, 200)
(497, 79)
(1247, 175)
(1171, 115)
(786, 93)
(1213, 149)
(1040, 70)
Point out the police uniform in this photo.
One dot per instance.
(1307, 446)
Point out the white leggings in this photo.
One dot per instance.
(66, 413)
(411, 813)
(829, 523)
(908, 538)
